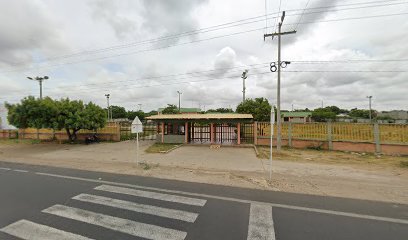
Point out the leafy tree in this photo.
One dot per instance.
(32, 112)
(361, 113)
(63, 114)
(118, 112)
(170, 109)
(151, 113)
(220, 110)
(258, 107)
(323, 114)
(132, 114)
(75, 115)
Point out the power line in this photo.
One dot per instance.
(307, 3)
(213, 28)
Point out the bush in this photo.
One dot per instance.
(404, 163)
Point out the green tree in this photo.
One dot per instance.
(323, 114)
(32, 112)
(118, 112)
(170, 109)
(63, 114)
(151, 113)
(361, 113)
(220, 110)
(258, 107)
(75, 115)
(132, 114)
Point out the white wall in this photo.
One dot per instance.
(3, 118)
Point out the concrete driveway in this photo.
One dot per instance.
(204, 157)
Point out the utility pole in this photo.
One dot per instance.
(244, 76)
(107, 99)
(369, 106)
(322, 103)
(140, 106)
(273, 69)
(40, 80)
(179, 93)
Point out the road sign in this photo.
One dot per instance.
(137, 126)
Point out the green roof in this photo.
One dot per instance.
(185, 110)
(296, 114)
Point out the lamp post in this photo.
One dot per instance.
(244, 76)
(179, 93)
(107, 99)
(369, 106)
(40, 80)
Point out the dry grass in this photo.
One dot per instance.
(334, 157)
(160, 147)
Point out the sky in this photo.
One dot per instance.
(143, 52)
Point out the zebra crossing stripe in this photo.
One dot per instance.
(260, 223)
(153, 195)
(33, 231)
(130, 227)
(136, 207)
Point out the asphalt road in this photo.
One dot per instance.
(38, 202)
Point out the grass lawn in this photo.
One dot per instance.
(333, 157)
(161, 147)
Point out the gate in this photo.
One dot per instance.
(226, 133)
(199, 133)
(247, 133)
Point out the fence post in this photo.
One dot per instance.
(329, 135)
(255, 133)
(239, 133)
(377, 138)
(290, 134)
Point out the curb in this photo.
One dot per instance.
(165, 152)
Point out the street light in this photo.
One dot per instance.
(40, 80)
(369, 106)
(244, 76)
(179, 93)
(107, 99)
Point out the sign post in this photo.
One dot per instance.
(270, 159)
(137, 128)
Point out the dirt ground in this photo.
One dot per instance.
(301, 171)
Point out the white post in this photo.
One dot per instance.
(270, 159)
(137, 148)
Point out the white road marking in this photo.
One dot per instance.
(136, 207)
(6, 169)
(260, 225)
(317, 210)
(153, 195)
(138, 229)
(32, 231)
(20, 170)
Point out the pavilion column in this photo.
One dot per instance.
(162, 130)
(239, 133)
(186, 132)
(212, 132)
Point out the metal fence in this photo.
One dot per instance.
(247, 133)
(199, 133)
(149, 131)
(349, 132)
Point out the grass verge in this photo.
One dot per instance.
(161, 147)
(333, 157)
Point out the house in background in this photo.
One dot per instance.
(296, 117)
(183, 111)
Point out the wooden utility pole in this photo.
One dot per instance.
(279, 117)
